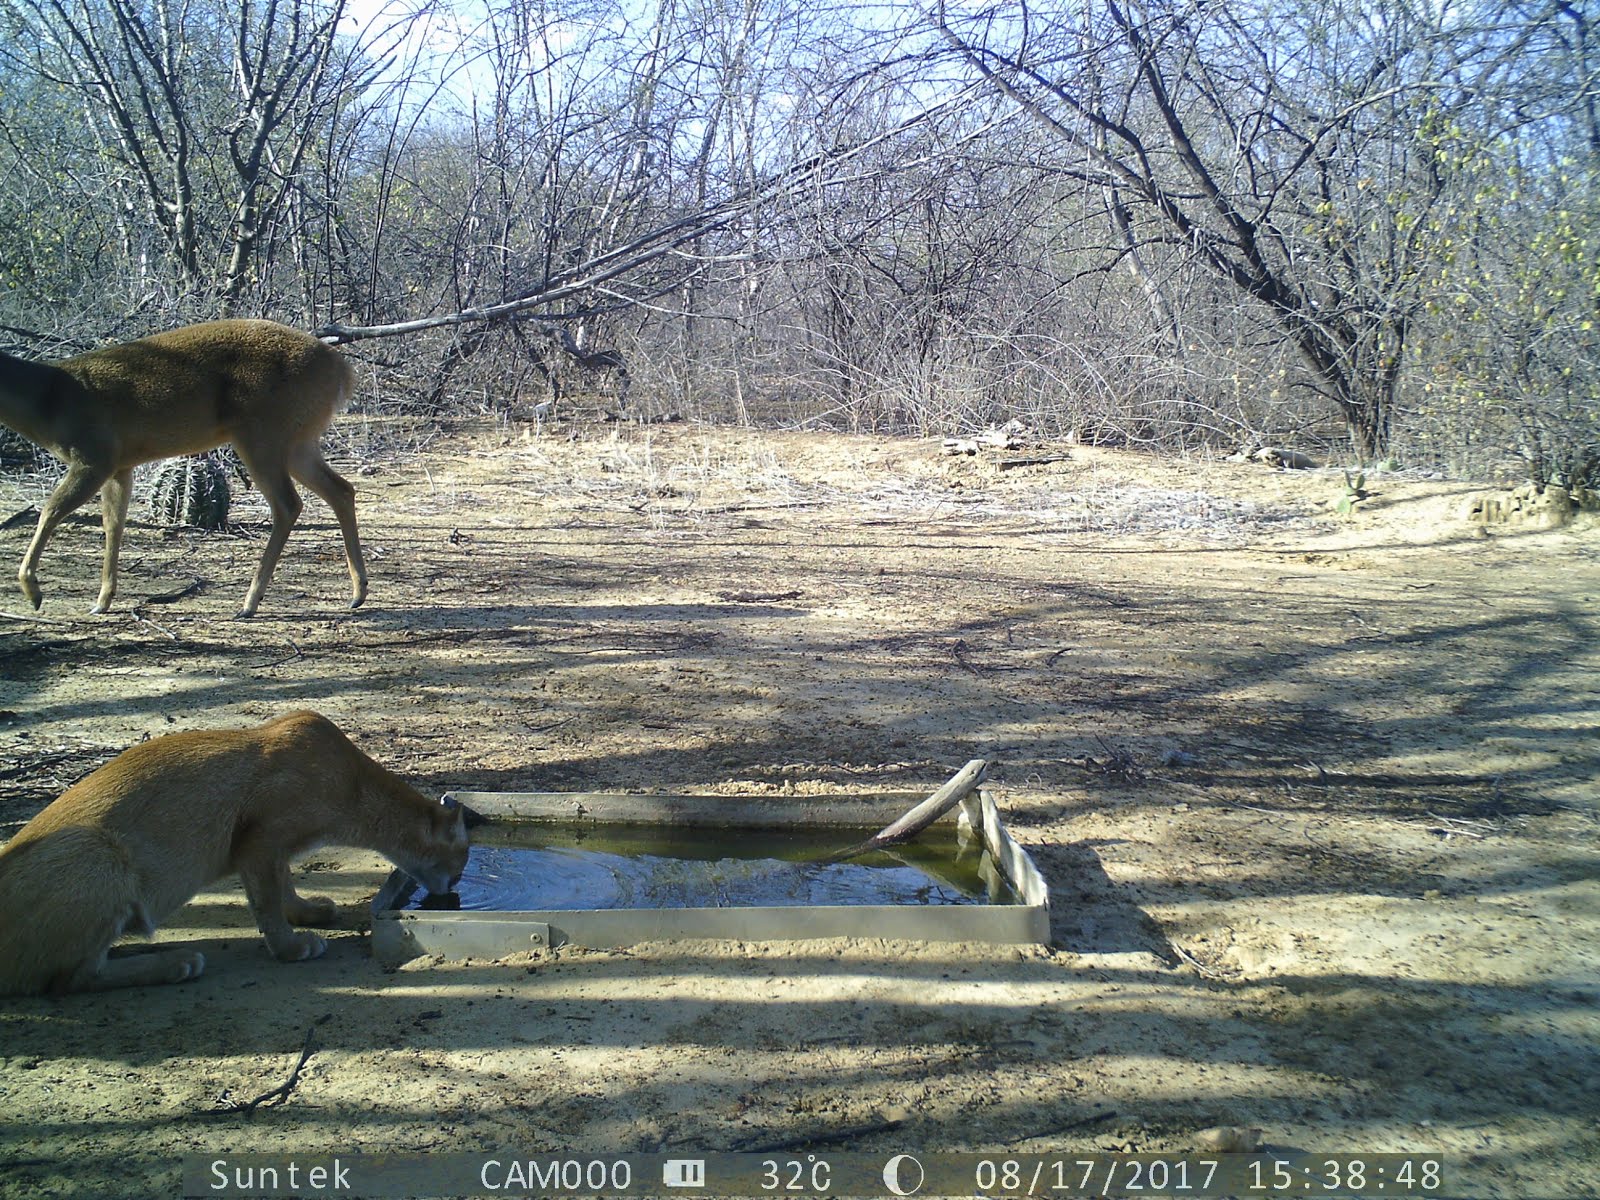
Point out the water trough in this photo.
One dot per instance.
(605, 870)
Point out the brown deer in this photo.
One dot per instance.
(268, 389)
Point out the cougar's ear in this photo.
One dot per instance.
(471, 816)
(450, 818)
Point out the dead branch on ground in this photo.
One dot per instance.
(279, 1094)
(924, 814)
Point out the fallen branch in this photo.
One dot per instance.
(35, 617)
(279, 1094)
(1197, 966)
(1094, 1118)
(722, 509)
(848, 1134)
(191, 589)
(1038, 460)
(140, 619)
(920, 817)
(34, 765)
(530, 728)
(296, 653)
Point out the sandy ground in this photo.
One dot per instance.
(1315, 796)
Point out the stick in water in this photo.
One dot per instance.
(904, 828)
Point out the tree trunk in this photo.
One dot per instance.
(1367, 417)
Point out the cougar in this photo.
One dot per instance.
(132, 842)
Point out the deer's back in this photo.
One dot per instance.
(199, 384)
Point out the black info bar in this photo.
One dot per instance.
(911, 1173)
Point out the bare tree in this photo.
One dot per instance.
(211, 112)
(1292, 150)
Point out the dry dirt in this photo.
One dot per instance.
(1315, 796)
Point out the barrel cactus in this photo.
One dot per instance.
(193, 491)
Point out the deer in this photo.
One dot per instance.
(269, 390)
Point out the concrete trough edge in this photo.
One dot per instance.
(400, 935)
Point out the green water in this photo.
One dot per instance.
(542, 868)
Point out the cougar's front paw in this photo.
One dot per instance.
(187, 966)
(297, 947)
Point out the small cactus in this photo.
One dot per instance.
(1355, 491)
(193, 491)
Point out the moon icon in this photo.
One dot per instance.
(903, 1175)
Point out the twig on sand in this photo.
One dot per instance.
(822, 1138)
(295, 653)
(193, 588)
(279, 1094)
(35, 617)
(1094, 1118)
(142, 620)
(1199, 967)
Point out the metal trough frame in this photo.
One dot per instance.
(399, 935)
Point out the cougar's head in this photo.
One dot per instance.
(437, 864)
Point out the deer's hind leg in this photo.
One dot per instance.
(308, 466)
(267, 469)
(114, 495)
